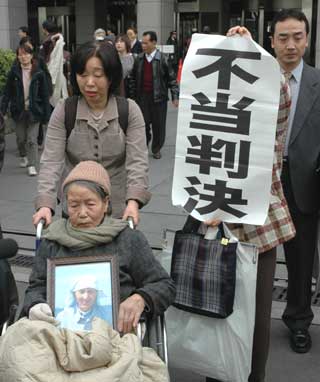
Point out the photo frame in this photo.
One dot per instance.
(80, 288)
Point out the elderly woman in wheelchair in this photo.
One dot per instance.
(89, 231)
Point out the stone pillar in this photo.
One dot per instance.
(85, 21)
(156, 15)
(13, 14)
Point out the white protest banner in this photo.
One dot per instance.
(228, 107)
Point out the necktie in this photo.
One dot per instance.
(287, 76)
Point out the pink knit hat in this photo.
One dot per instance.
(92, 172)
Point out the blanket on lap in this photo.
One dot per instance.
(40, 352)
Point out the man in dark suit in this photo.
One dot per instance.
(300, 175)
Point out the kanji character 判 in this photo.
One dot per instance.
(207, 154)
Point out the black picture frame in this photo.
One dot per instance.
(62, 271)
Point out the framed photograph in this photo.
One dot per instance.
(81, 288)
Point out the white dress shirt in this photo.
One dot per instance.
(150, 56)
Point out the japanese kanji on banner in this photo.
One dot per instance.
(228, 107)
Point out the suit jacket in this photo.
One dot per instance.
(304, 144)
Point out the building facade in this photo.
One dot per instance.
(79, 18)
(13, 14)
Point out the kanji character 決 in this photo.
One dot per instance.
(219, 197)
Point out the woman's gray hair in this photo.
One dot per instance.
(89, 185)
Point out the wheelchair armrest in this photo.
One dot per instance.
(155, 335)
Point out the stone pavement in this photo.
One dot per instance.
(17, 191)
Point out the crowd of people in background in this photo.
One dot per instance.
(54, 62)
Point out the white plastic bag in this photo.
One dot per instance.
(217, 348)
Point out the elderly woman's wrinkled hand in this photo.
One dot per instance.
(129, 313)
(42, 312)
(242, 31)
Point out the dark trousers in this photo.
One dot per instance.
(299, 254)
(261, 336)
(155, 115)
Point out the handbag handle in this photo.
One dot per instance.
(192, 225)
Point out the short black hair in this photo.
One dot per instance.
(132, 29)
(24, 29)
(285, 14)
(110, 60)
(152, 34)
(50, 26)
(25, 40)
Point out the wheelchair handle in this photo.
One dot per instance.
(40, 228)
(131, 222)
(39, 232)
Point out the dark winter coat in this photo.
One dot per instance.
(139, 271)
(163, 78)
(137, 48)
(173, 57)
(13, 95)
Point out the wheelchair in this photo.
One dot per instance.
(151, 332)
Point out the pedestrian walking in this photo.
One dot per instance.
(136, 46)
(174, 57)
(151, 78)
(52, 50)
(122, 44)
(301, 166)
(110, 36)
(188, 41)
(23, 32)
(99, 34)
(26, 91)
(96, 125)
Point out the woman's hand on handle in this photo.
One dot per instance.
(242, 31)
(43, 213)
(132, 210)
